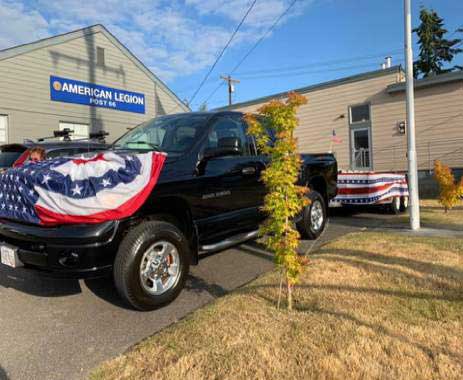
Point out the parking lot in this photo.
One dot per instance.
(56, 329)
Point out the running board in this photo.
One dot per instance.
(231, 241)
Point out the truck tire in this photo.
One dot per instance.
(151, 265)
(313, 220)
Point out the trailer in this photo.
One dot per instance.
(372, 189)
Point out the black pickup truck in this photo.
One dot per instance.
(207, 198)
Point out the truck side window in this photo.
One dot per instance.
(228, 127)
(270, 132)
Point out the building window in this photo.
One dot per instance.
(3, 129)
(359, 113)
(81, 131)
(99, 56)
(360, 137)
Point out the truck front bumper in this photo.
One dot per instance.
(70, 250)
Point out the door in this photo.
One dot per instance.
(360, 145)
(231, 186)
(360, 136)
(3, 129)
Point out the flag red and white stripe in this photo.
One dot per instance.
(370, 188)
(106, 186)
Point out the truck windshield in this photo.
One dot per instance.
(173, 134)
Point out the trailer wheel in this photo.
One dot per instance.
(403, 204)
(394, 207)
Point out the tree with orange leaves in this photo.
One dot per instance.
(285, 199)
(450, 192)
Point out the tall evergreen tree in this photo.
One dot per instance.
(435, 49)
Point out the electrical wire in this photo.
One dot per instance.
(320, 63)
(222, 52)
(304, 72)
(278, 19)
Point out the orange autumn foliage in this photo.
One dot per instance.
(450, 192)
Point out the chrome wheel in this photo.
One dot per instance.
(159, 268)
(316, 215)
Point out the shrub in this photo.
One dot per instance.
(450, 192)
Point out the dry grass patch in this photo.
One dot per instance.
(433, 215)
(370, 305)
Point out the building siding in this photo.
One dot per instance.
(25, 94)
(439, 122)
(439, 128)
(327, 110)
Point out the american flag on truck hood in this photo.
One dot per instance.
(66, 190)
(370, 188)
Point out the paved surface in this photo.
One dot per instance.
(61, 329)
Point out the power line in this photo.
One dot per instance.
(263, 36)
(299, 72)
(304, 72)
(278, 19)
(222, 52)
(319, 63)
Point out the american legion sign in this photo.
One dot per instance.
(74, 91)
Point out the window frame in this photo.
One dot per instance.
(247, 148)
(364, 124)
(361, 121)
(7, 127)
(100, 56)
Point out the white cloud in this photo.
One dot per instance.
(19, 25)
(172, 38)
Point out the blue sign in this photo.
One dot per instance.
(74, 91)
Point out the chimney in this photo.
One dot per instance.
(388, 62)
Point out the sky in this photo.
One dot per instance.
(179, 40)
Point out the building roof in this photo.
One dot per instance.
(318, 86)
(61, 38)
(427, 82)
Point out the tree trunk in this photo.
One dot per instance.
(289, 294)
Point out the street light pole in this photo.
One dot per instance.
(414, 208)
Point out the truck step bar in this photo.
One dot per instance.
(229, 242)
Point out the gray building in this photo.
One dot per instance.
(85, 80)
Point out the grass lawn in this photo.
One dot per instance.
(433, 215)
(370, 305)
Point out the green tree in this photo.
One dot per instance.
(284, 199)
(459, 30)
(435, 49)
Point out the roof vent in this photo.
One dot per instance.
(387, 62)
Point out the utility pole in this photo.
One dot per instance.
(231, 88)
(414, 208)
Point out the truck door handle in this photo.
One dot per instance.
(250, 170)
